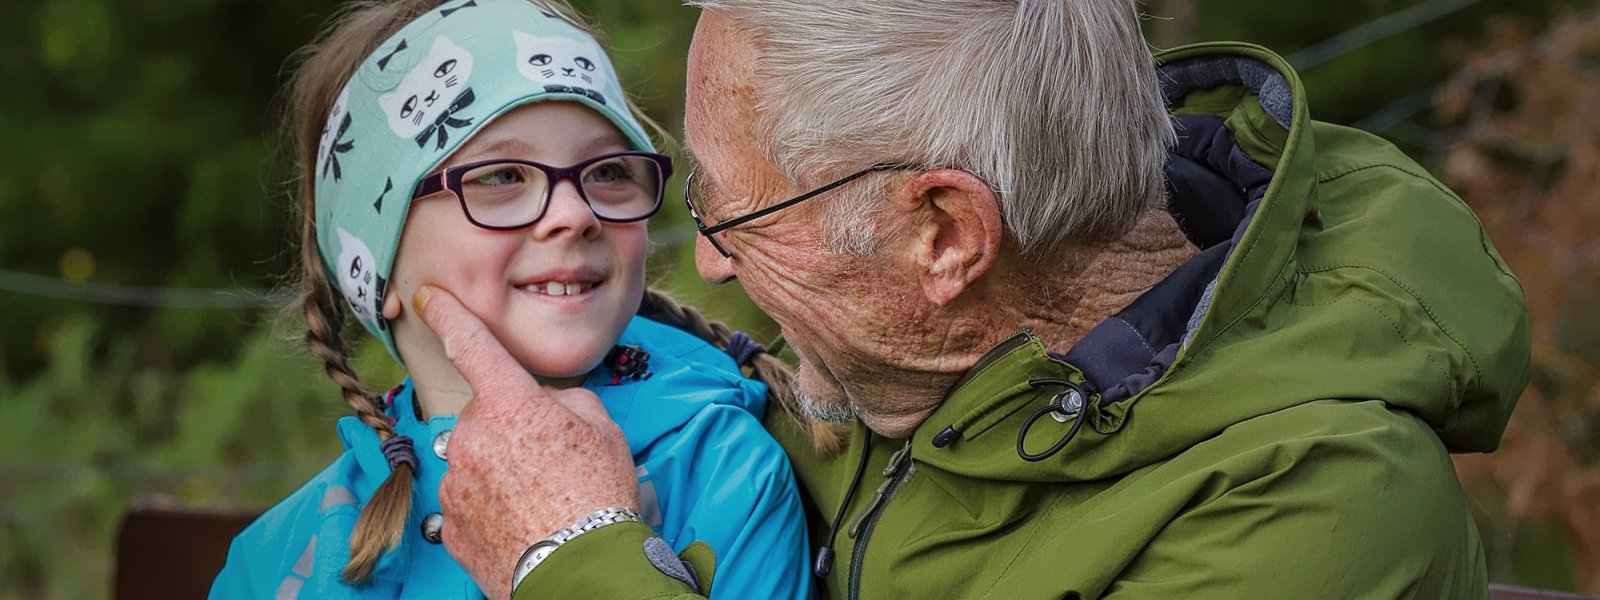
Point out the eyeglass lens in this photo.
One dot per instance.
(619, 188)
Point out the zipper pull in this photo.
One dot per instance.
(877, 496)
(897, 458)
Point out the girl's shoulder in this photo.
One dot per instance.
(689, 370)
(699, 401)
(332, 488)
(686, 380)
(678, 346)
(277, 548)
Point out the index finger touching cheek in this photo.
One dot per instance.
(470, 346)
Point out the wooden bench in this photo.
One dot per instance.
(166, 551)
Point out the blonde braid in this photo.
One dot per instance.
(383, 518)
(827, 438)
(324, 66)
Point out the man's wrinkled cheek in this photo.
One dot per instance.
(790, 292)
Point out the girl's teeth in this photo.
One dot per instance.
(555, 288)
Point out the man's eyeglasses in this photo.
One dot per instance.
(505, 194)
(695, 197)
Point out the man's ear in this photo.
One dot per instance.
(958, 233)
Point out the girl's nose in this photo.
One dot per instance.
(567, 215)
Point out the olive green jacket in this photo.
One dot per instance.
(1273, 421)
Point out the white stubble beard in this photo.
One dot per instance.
(814, 409)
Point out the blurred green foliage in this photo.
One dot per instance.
(142, 147)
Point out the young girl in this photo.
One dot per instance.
(486, 147)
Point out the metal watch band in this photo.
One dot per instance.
(542, 549)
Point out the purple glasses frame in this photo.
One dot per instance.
(450, 179)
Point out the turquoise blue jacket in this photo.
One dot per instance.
(707, 471)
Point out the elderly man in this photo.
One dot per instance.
(1096, 330)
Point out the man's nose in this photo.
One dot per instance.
(714, 268)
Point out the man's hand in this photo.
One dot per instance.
(525, 460)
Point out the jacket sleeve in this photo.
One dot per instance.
(1374, 513)
(297, 548)
(239, 578)
(610, 562)
(263, 560)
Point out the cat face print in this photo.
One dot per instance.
(562, 62)
(429, 89)
(334, 140)
(357, 274)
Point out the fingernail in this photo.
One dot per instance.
(419, 300)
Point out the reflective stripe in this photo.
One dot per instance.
(649, 502)
(302, 566)
(289, 589)
(337, 495)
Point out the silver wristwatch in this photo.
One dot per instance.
(542, 549)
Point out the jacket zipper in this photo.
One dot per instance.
(897, 472)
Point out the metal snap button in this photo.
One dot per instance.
(433, 528)
(440, 442)
(1070, 402)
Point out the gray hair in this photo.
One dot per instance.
(1053, 103)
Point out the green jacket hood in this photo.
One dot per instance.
(1332, 267)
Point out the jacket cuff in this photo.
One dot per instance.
(610, 562)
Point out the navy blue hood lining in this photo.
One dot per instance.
(1213, 189)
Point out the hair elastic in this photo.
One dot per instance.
(742, 348)
(398, 450)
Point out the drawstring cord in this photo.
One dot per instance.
(824, 560)
(1069, 404)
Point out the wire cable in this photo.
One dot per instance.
(137, 296)
(1375, 31)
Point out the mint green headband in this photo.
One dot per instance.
(424, 92)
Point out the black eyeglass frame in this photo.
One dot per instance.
(450, 179)
(709, 232)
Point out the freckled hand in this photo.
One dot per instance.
(525, 460)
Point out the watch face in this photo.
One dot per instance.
(531, 559)
(542, 552)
